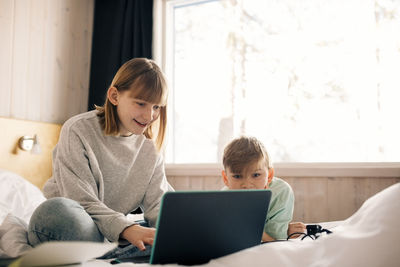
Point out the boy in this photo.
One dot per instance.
(247, 166)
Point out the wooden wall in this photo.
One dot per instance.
(45, 58)
(317, 199)
(36, 168)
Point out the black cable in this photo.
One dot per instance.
(296, 233)
(313, 231)
(327, 231)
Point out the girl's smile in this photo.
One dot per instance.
(141, 124)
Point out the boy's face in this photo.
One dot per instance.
(256, 176)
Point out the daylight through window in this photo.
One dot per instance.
(316, 81)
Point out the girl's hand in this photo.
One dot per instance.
(296, 227)
(139, 235)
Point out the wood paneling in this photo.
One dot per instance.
(45, 58)
(317, 199)
(328, 198)
(36, 168)
(6, 48)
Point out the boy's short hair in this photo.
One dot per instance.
(242, 151)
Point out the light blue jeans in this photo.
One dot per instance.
(64, 219)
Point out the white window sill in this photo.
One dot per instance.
(359, 169)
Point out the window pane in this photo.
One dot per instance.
(316, 81)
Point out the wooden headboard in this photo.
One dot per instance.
(36, 168)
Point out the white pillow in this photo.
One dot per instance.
(18, 196)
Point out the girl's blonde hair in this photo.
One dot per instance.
(147, 82)
(242, 151)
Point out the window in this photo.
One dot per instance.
(316, 81)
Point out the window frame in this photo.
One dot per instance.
(162, 42)
(299, 169)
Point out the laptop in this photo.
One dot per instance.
(194, 227)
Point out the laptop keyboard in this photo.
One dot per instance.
(128, 253)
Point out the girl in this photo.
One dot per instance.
(106, 165)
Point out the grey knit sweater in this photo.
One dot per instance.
(110, 176)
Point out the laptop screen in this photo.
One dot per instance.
(195, 227)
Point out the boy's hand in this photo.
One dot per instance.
(266, 237)
(296, 227)
(139, 235)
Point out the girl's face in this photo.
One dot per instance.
(135, 115)
(255, 177)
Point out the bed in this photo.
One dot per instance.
(23, 173)
(370, 237)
